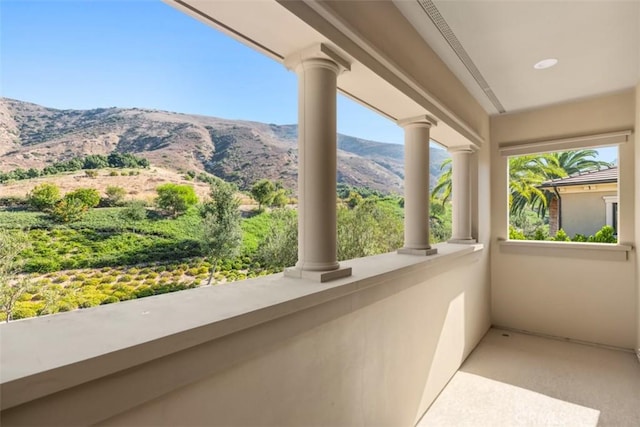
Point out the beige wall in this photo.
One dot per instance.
(564, 293)
(591, 116)
(584, 213)
(582, 299)
(637, 216)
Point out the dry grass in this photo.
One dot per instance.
(138, 187)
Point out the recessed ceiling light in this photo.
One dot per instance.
(545, 63)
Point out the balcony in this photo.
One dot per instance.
(400, 335)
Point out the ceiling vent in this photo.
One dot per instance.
(434, 14)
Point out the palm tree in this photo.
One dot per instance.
(526, 173)
(442, 190)
(579, 161)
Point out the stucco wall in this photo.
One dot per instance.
(584, 213)
(637, 216)
(565, 293)
(382, 365)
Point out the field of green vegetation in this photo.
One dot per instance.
(103, 259)
(126, 251)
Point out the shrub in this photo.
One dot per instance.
(124, 296)
(23, 312)
(66, 305)
(605, 235)
(579, 238)
(61, 279)
(69, 209)
(109, 300)
(115, 195)
(44, 197)
(176, 199)
(515, 234)
(89, 196)
(541, 234)
(134, 211)
(41, 265)
(91, 283)
(93, 174)
(113, 173)
(143, 291)
(561, 236)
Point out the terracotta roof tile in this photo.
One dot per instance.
(596, 177)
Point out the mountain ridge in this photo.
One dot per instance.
(240, 151)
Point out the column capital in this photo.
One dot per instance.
(466, 148)
(318, 54)
(423, 120)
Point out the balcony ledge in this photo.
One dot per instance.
(44, 355)
(596, 251)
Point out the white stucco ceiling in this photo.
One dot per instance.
(597, 44)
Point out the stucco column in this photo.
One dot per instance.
(461, 191)
(317, 68)
(416, 186)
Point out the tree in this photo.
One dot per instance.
(221, 232)
(440, 222)
(33, 173)
(69, 209)
(95, 161)
(263, 191)
(175, 198)
(279, 248)
(115, 195)
(280, 198)
(11, 286)
(526, 173)
(372, 227)
(44, 197)
(135, 210)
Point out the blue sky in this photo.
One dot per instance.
(85, 54)
(143, 53)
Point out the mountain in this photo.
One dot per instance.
(235, 150)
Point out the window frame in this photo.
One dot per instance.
(521, 148)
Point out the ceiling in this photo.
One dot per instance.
(597, 44)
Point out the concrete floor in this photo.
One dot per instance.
(514, 379)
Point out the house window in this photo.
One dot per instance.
(558, 195)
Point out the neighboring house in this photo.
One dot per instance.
(583, 203)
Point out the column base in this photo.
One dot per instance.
(422, 252)
(462, 241)
(318, 276)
